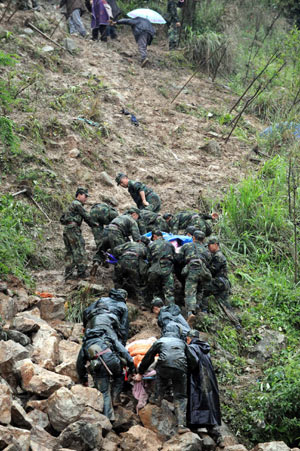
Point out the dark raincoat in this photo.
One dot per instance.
(203, 405)
(172, 313)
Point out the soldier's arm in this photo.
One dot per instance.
(135, 231)
(81, 368)
(174, 225)
(122, 351)
(142, 227)
(124, 325)
(85, 215)
(148, 358)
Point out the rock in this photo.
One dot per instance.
(138, 438)
(107, 445)
(40, 381)
(37, 404)
(106, 179)
(271, 446)
(238, 447)
(68, 369)
(227, 437)
(5, 404)
(38, 418)
(68, 350)
(93, 288)
(63, 328)
(52, 308)
(77, 333)
(271, 342)
(185, 442)
(42, 440)
(30, 322)
(71, 143)
(28, 31)
(90, 415)
(88, 397)
(18, 337)
(7, 307)
(124, 419)
(110, 200)
(19, 417)
(74, 153)
(160, 420)
(21, 299)
(208, 444)
(47, 49)
(69, 44)
(14, 436)
(10, 353)
(81, 436)
(45, 343)
(212, 148)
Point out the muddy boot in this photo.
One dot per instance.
(214, 432)
(180, 411)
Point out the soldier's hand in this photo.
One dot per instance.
(138, 377)
(215, 215)
(145, 203)
(178, 24)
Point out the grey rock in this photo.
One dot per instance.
(19, 417)
(212, 148)
(70, 45)
(81, 436)
(110, 200)
(125, 419)
(74, 153)
(271, 341)
(160, 420)
(42, 440)
(18, 337)
(185, 442)
(47, 49)
(107, 179)
(28, 31)
(271, 446)
(140, 438)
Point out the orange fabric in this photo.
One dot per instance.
(44, 294)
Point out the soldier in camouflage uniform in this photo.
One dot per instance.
(73, 239)
(219, 286)
(173, 24)
(102, 214)
(122, 227)
(183, 219)
(144, 197)
(132, 266)
(195, 258)
(161, 256)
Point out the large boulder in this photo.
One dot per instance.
(271, 342)
(68, 353)
(38, 380)
(21, 299)
(18, 337)
(38, 418)
(271, 446)
(14, 436)
(90, 415)
(42, 440)
(29, 322)
(7, 307)
(88, 397)
(124, 419)
(160, 420)
(185, 442)
(10, 354)
(52, 308)
(45, 343)
(5, 404)
(139, 438)
(81, 436)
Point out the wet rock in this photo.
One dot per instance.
(90, 415)
(106, 179)
(271, 342)
(70, 45)
(10, 435)
(212, 148)
(40, 381)
(19, 417)
(271, 446)
(139, 438)
(160, 420)
(18, 337)
(81, 436)
(52, 308)
(5, 404)
(42, 440)
(7, 307)
(38, 418)
(10, 354)
(185, 442)
(124, 419)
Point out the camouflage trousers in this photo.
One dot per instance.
(115, 238)
(131, 273)
(193, 291)
(75, 251)
(102, 244)
(161, 279)
(154, 203)
(173, 35)
(219, 287)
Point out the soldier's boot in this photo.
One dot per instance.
(117, 386)
(81, 272)
(69, 273)
(180, 411)
(215, 433)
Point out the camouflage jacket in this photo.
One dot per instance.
(135, 188)
(183, 219)
(102, 214)
(193, 252)
(131, 248)
(218, 265)
(76, 214)
(172, 15)
(149, 221)
(127, 225)
(160, 250)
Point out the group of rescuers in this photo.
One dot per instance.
(147, 269)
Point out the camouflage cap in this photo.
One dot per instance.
(190, 229)
(157, 302)
(133, 210)
(118, 293)
(193, 333)
(213, 240)
(199, 235)
(119, 177)
(81, 190)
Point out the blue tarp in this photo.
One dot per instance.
(295, 128)
(182, 239)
